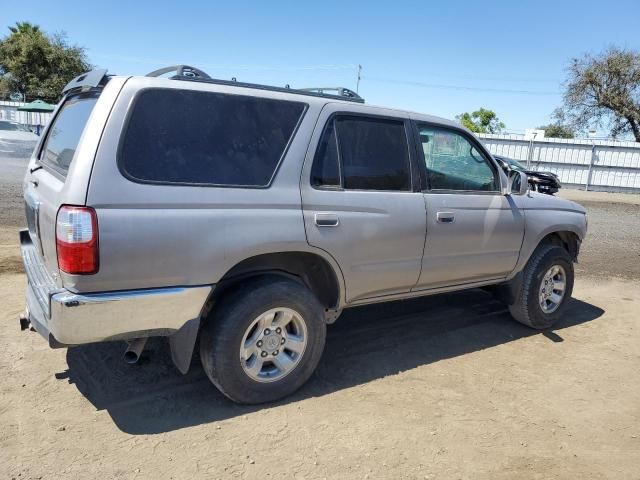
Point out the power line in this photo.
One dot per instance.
(155, 61)
(460, 87)
(500, 78)
(151, 61)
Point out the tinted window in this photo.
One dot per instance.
(454, 163)
(374, 154)
(180, 136)
(326, 170)
(65, 131)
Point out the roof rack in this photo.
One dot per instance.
(340, 92)
(193, 74)
(183, 72)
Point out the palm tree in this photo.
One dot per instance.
(25, 28)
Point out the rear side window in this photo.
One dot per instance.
(65, 132)
(360, 153)
(190, 137)
(325, 171)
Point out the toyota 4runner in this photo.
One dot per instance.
(249, 217)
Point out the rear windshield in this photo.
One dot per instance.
(191, 137)
(65, 132)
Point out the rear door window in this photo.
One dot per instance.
(362, 153)
(65, 132)
(191, 137)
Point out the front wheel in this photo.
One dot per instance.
(264, 341)
(547, 285)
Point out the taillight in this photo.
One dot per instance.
(77, 240)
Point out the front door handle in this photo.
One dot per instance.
(445, 217)
(327, 220)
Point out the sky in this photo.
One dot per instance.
(441, 58)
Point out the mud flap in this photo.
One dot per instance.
(507, 292)
(182, 343)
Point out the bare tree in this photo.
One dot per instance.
(604, 91)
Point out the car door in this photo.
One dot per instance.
(360, 203)
(474, 232)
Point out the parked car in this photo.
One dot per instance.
(16, 140)
(13, 131)
(543, 182)
(251, 216)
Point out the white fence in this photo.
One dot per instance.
(9, 111)
(601, 165)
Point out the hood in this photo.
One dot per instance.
(541, 174)
(535, 200)
(544, 178)
(578, 207)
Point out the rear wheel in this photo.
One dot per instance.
(264, 341)
(547, 285)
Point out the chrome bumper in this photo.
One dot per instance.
(65, 318)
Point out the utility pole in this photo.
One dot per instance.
(358, 81)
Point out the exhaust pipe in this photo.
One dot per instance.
(134, 350)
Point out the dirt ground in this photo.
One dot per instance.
(445, 387)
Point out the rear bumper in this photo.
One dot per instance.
(65, 318)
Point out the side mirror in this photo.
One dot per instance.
(518, 183)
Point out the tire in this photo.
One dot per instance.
(527, 307)
(233, 323)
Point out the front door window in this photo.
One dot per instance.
(454, 163)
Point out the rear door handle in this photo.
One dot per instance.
(445, 217)
(327, 220)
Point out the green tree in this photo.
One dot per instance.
(558, 128)
(604, 91)
(481, 121)
(555, 130)
(36, 64)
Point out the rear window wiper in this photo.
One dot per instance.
(35, 169)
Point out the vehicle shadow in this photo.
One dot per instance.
(367, 343)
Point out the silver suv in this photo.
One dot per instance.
(251, 216)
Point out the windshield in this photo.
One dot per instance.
(515, 165)
(13, 127)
